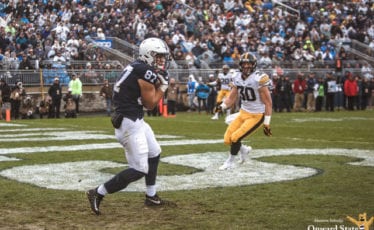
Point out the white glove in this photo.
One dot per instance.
(164, 82)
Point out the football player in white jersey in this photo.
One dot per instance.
(141, 84)
(252, 88)
(223, 82)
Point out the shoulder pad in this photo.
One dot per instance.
(263, 79)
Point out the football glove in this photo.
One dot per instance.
(163, 77)
(267, 131)
(220, 107)
(116, 120)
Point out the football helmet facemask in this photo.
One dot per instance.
(155, 52)
(247, 58)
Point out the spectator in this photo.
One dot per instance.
(25, 64)
(202, 93)
(211, 102)
(274, 92)
(14, 61)
(106, 92)
(371, 93)
(351, 91)
(100, 34)
(1, 103)
(235, 54)
(366, 71)
(70, 106)
(265, 61)
(299, 86)
(330, 88)
(178, 38)
(190, 21)
(5, 93)
(340, 84)
(110, 74)
(365, 93)
(371, 46)
(284, 89)
(328, 54)
(33, 57)
(320, 95)
(90, 74)
(310, 88)
(358, 97)
(191, 89)
(59, 57)
(227, 57)
(5, 60)
(75, 85)
(16, 96)
(22, 40)
(207, 52)
(277, 39)
(55, 92)
(204, 61)
(27, 108)
(172, 95)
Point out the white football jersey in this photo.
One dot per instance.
(248, 90)
(225, 80)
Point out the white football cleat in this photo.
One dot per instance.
(243, 153)
(230, 118)
(227, 165)
(215, 117)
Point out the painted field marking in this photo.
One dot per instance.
(86, 174)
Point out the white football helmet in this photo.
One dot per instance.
(148, 50)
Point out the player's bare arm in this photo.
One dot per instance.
(231, 99)
(266, 99)
(150, 94)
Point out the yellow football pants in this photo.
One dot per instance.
(222, 94)
(244, 125)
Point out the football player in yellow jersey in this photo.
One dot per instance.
(252, 87)
(223, 82)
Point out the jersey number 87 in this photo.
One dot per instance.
(150, 76)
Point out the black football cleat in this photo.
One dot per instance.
(95, 199)
(153, 201)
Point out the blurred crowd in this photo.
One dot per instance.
(199, 32)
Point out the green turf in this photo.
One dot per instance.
(338, 190)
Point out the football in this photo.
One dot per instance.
(157, 84)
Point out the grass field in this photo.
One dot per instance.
(316, 170)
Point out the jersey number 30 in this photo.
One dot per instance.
(247, 94)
